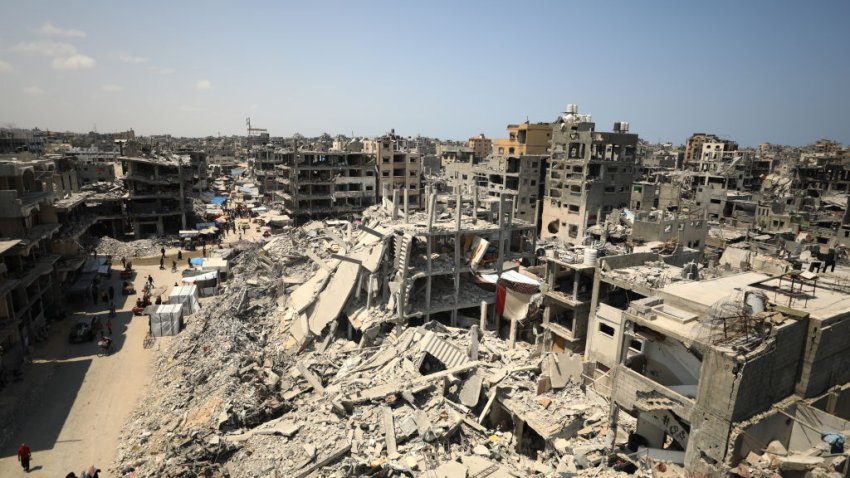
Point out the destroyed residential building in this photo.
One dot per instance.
(590, 174)
(422, 266)
(451, 153)
(158, 191)
(28, 223)
(263, 167)
(93, 165)
(696, 359)
(313, 184)
(521, 177)
(399, 168)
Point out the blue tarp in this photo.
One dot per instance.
(236, 172)
(197, 261)
(218, 200)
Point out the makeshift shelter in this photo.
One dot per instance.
(187, 295)
(166, 319)
(207, 282)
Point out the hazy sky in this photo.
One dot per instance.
(753, 71)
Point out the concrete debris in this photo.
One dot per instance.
(354, 391)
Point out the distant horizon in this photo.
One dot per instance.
(348, 135)
(756, 72)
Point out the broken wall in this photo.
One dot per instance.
(827, 356)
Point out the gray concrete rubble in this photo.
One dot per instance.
(274, 381)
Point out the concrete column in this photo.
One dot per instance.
(406, 203)
(475, 204)
(483, 323)
(395, 203)
(576, 277)
(513, 333)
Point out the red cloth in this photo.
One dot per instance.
(23, 452)
(500, 299)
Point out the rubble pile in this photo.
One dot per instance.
(818, 461)
(243, 392)
(139, 248)
(212, 378)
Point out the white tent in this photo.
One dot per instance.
(207, 283)
(166, 319)
(186, 295)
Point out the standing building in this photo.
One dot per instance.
(590, 174)
(481, 146)
(694, 147)
(398, 167)
(312, 183)
(28, 224)
(525, 138)
(157, 191)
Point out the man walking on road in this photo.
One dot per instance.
(24, 456)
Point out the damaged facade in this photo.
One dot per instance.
(590, 174)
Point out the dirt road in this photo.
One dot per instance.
(80, 401)
(76, 416)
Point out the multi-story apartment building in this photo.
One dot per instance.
(590, 174)
(521, 178)
(523, 139)
(398, 168)
(312, 183)
(695, 146)
(481, 146)
(28, 222)
(158, 188)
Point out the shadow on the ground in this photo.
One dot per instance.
(61, 390)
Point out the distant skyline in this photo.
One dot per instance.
(755, 71)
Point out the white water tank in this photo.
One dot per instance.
(590, 255)
(572, 109)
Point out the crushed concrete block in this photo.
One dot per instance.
(776, 448)
(470, 392)
(799, 462)
(563, 367)
(481, 450)
(566, 467)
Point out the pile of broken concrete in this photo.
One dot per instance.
(235, 395)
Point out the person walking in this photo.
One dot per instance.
(162, 263)
(24, 456)
(179, 255)
(163, 252)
